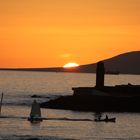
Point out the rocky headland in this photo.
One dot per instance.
(119, 98)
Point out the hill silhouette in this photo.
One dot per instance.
(127, 63)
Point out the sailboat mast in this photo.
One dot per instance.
(1, 103)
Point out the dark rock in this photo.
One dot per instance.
(35, 96)
(123, 98)
(95, 103)
(33, 139)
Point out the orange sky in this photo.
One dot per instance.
(48, 33)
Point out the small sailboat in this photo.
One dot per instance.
(35, 115)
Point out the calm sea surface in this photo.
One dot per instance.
(19, 86)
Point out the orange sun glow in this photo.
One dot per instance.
(70, 65)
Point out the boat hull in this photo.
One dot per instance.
(35, 120)
(106, 120)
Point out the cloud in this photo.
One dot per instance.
(66, 55)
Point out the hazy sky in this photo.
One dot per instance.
(48, 33)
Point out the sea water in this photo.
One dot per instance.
(18, 87)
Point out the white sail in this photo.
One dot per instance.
(35, 110)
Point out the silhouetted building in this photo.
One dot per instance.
(100, 71)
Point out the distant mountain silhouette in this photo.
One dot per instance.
(127, 63)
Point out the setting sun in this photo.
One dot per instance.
(70, 65)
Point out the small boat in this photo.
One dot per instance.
(105, 120)
(35, 115)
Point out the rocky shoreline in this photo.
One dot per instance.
(95, 103)
(119, 98)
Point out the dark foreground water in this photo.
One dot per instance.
(61, 124)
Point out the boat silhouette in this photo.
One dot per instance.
(105, 119)
(35, 115)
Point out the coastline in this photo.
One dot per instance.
(98, 101)
(101, 98)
